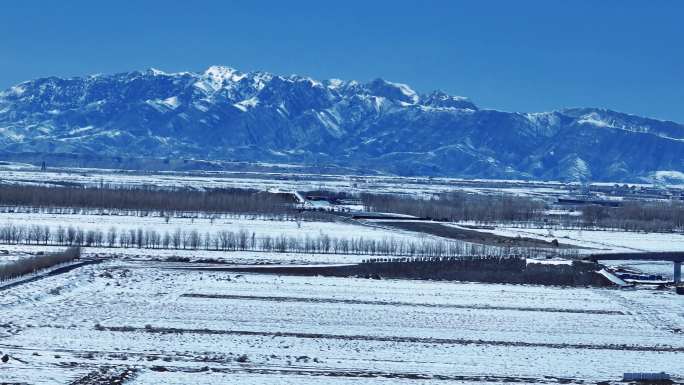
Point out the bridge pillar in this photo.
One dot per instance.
(677, 272)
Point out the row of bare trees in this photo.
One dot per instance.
(168, 215)
(242, 240)
(458, 206)
(230, 200)
(33, 263)
(637, 216)
(653, 216)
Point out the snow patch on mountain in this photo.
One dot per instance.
(170, 103)
(247, 104)
(218, 76)
(334, 84)
(18, 90)
(596, 120)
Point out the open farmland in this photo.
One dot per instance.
(283, 181)
(176, 296)
(172, 325)
(203, 224)
(602, 239)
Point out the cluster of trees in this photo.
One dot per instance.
(168, 214)
(637, 216)
(31, 264)
(332, 195)
(242, 240)
(141, 198)
(494, 269)
(458, 206)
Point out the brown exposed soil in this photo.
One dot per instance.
(473, 236)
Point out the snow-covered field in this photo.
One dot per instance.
(17, 254)
(232, 257)
(180, 327)
(170, 325)
(278, 181)
(598, 241)
(606, 241)
(260, 227)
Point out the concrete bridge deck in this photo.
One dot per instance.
(677, 257)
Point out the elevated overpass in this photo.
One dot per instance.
(677, 257)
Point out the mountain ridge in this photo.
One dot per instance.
(225, 114)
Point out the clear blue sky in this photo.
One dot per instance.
(509, 55)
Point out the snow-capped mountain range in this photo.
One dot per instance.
(222, 114)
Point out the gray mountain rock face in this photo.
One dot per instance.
(225, 114)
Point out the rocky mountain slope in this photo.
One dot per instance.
(222, 114)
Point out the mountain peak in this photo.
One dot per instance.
(155, 72)
(217, 70)
(393, 91)
(444, 100)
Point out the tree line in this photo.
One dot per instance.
(242, 240)
(458, 206)
(637, 216)
(31, 264)
(652, 216)
(295, 216)
(147, 198)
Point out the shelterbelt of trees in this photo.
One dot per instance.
(147, 198)
(35, 263)
(242, 240)
(458, 206)
(662, 216)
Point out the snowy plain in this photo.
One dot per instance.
(138, 314)
(276, 181)
(258, 226)
(600, 241)
(134, 312)
(609, 241)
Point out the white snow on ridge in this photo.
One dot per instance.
(157, 72)
(596, 120)
(247, 104)
(334, 84)
(406, 90)
(163, 105)
(171, 102)
(329, 121)
(378, 102)
(216, 78)
(18, 90)
(218, 74)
